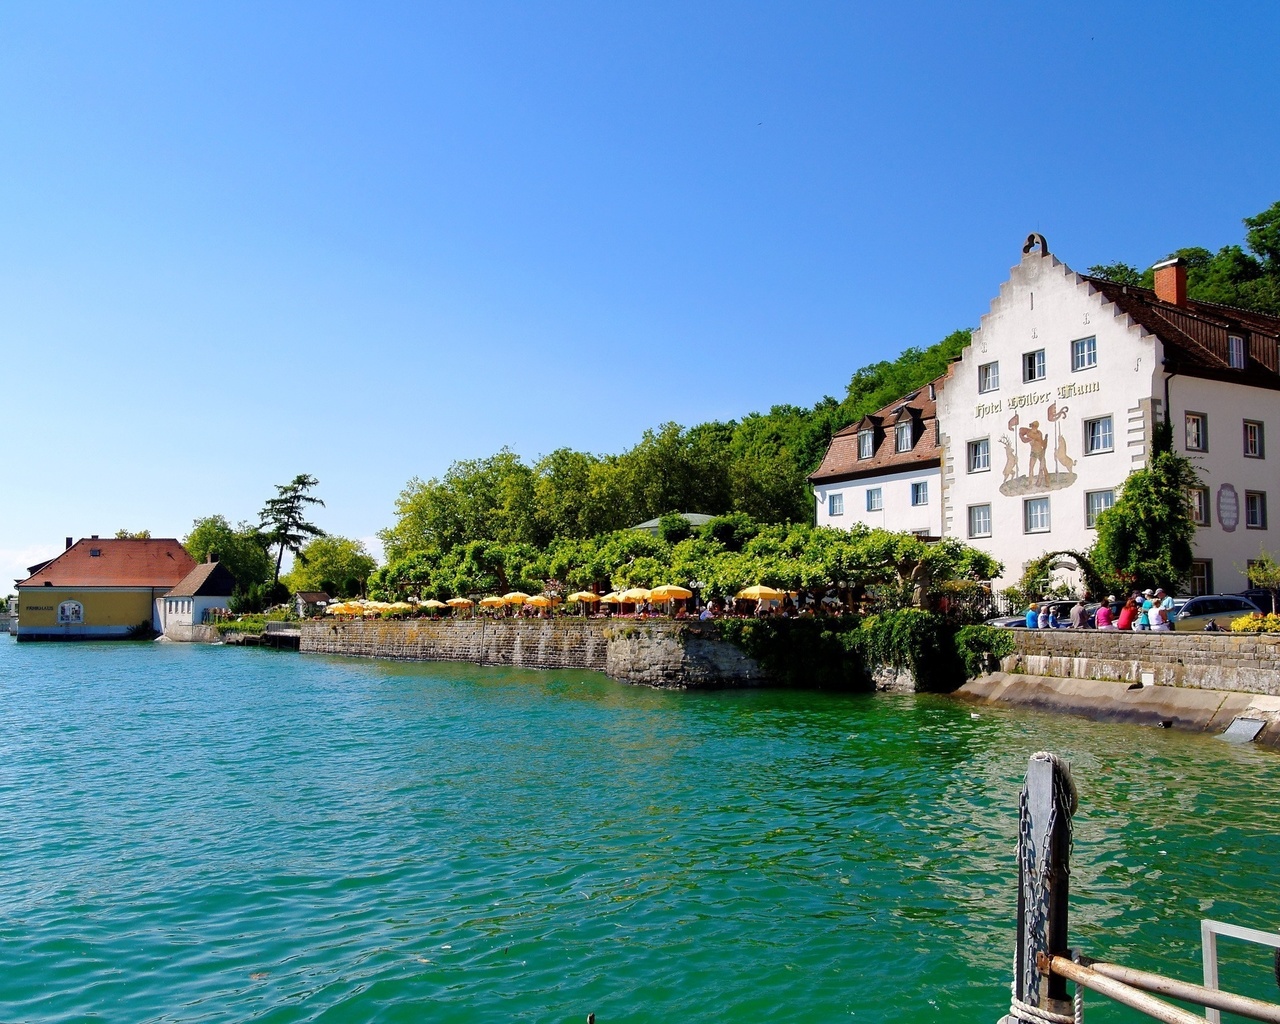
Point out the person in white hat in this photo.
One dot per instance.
(1144, 615)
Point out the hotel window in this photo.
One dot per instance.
(866, 444)
(1199, 505)
(1253, 448)
(1097, 435)
(1084, 354)
(988, 377)
(903, 434)
(920, 493)
(1235, 352)
(1201, 577)
(1035, 515)
(875, 499)
(980, 455)
(835, 504)
(1094, 503)
(1255, 510)
(1033, 365)
(1197, 432)
(979, 520)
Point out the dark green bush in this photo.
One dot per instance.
(978, 645)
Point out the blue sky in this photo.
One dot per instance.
(243, 241)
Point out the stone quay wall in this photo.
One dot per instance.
(1244, 662)
(653, 652)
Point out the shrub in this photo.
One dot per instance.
(976, 645)
(1269, 623)
(810, 653)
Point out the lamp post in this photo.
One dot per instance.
(696, 586)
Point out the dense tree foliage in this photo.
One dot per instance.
(243, 550)
(1231, 276)
(1144, 540)
(133, 534)
(724, 556)
(337, 565)
(757, 465)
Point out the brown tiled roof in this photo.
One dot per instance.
(1195, 335)
(842, 463)
(313, 596)
(209, 579)
(118, 563)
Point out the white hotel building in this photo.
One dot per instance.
(1034, 428)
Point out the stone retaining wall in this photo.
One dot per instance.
(1244, 662)
(192, 634)
(654, 652)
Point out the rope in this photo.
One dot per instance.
(1026, 1012)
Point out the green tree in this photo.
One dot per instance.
(133, 534)
(1145, 538)
(284, 518)
(1232, 276)
(337, 565)
(242, 549)
(1264, 573)
(1120, 273)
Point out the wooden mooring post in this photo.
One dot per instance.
(1045, 808)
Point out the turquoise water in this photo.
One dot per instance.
(216, 834)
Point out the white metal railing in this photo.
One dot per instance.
(1209, 932)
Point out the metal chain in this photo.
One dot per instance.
(1035, 878)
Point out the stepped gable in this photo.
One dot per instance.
(209, 579)
(841, 461)
(156, 563)
(1195, 334)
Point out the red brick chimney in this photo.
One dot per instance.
(1171, 281)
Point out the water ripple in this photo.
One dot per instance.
(200, 834)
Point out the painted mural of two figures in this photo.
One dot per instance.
(1038, 447)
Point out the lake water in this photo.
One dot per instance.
(217, 834)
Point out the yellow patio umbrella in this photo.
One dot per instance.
(583, 595)
(492, 602)
(635, 595)
(611, 598)
(543, 601)
(459, 602)
(669, 592)
(338, 608)
(760, 593)
(515, 597)
(433, 603)
(400, 606)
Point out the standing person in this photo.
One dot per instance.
(1128, 615)
(1162, 613)
(1033, 616)
(1079, 615)
(1144, 610)
(1106, 618)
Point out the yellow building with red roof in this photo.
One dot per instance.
(100, 589)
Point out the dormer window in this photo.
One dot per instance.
(1235, 352)
(902, 432)
(95, 552)
(866, 443)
